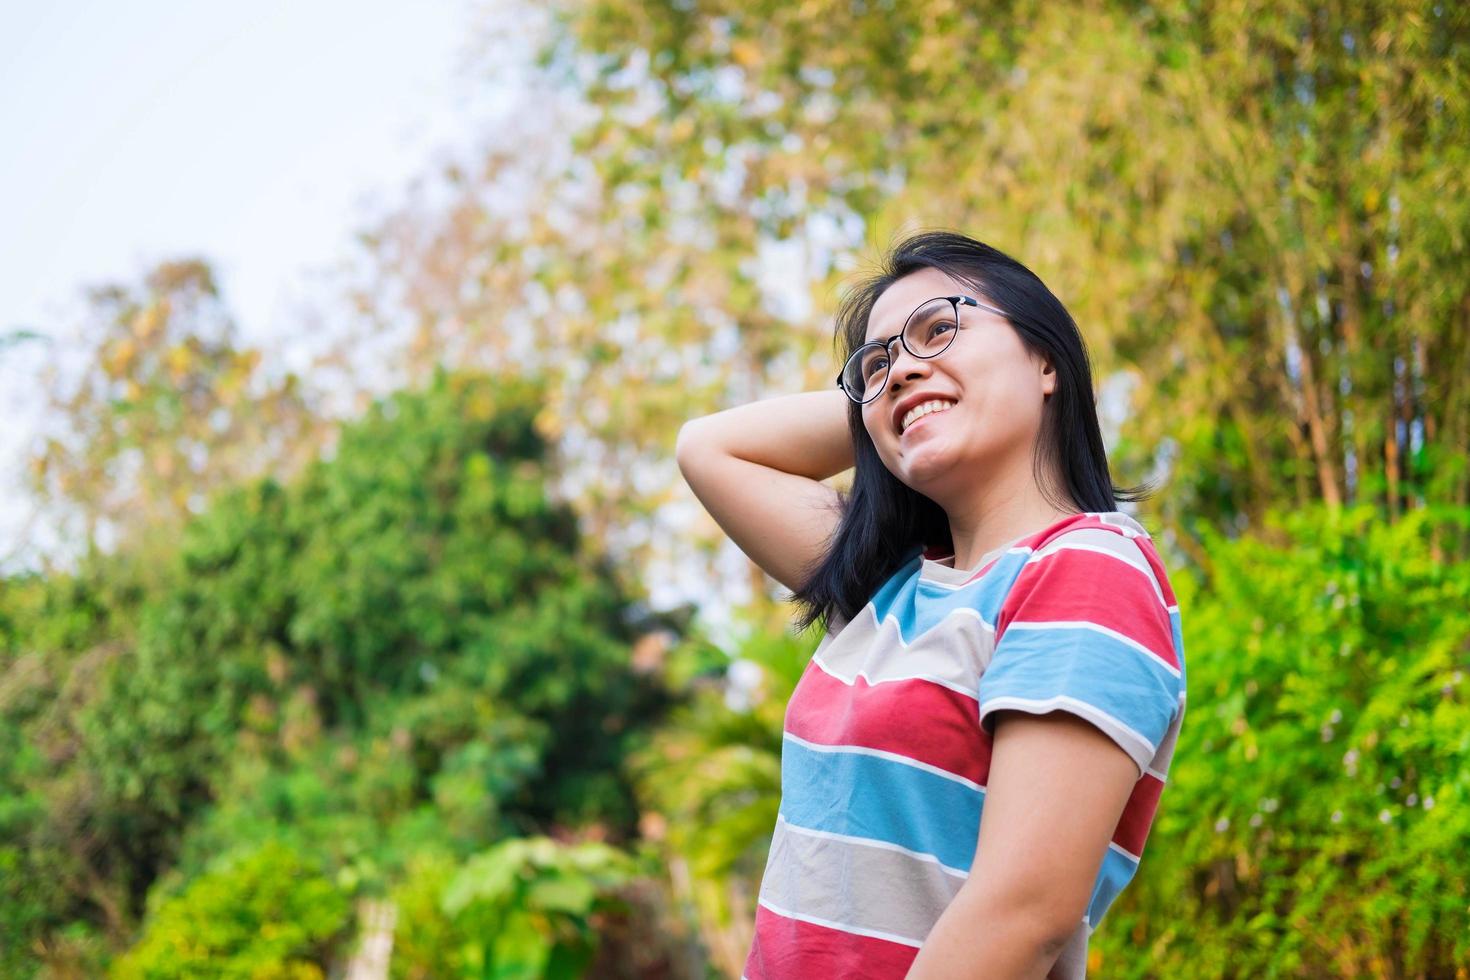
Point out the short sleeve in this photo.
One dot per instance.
(1088, 628)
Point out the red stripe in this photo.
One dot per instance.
(1157, 564)
(1072, 586)
(917, 719)
(1138, 815)
(788, 949)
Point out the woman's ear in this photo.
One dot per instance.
(1048, 376)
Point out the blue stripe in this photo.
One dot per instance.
(1116, 871)
(1117, 679)
(880, 799)
(900, 596)
(1178, 631)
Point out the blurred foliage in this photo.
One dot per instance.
(529, 902)
(406, 671)
(1314, 820)
(710, 784)
(527, 908)
(268, 917)
(158, 408)
(408, 646)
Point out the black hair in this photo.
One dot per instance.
(885, 523)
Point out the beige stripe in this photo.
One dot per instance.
(856, 886)
(954, 652)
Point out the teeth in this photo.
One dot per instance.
(919, 411)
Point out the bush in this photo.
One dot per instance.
(268, 916)
(1316, 813)
(525, 909)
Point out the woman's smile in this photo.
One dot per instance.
(923, 419)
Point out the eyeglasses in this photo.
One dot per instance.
(927, 333)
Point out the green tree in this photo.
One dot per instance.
(407, 646)
(1256, 211)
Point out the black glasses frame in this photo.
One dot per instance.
(887, 345)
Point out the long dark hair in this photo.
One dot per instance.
(884, 523)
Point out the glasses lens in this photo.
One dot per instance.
(931, 328)
(865, 372)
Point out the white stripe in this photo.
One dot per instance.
(970, 693)
(1125, 852)
(1156, 774)
(884, 845)
(1091, 627)
(1132, 529)
(1091, 712)
(854, 930)
(890, 756)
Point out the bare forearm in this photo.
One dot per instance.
(804, 434)
(978, 938)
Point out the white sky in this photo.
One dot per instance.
(247, 132)
(258, 135)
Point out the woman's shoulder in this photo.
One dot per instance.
(1091, 553)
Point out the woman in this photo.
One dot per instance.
(973, 757)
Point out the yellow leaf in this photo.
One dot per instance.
(746, 54)
(147, 323)
(177, 360)
(548, 423)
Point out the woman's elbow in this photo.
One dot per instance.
(1044, 912)
(687, 444)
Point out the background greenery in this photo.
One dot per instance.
(317, 683)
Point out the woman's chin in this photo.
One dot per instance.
(924, 463)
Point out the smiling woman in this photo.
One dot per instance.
(974, 755)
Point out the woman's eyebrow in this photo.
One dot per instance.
(877, 337)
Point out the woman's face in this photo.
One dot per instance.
(991, 387)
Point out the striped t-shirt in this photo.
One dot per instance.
(888, 736)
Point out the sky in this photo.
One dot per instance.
(259, 136)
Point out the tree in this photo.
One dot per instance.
(1256, 213)
(407, 647)
(160, 408)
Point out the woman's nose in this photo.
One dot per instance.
(903, 366)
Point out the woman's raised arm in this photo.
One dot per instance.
(758, 470)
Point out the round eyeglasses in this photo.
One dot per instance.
(927, 333)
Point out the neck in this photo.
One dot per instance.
(998, 513)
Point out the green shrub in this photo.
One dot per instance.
(1316, 813)
(525, 909)
(268, 916)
